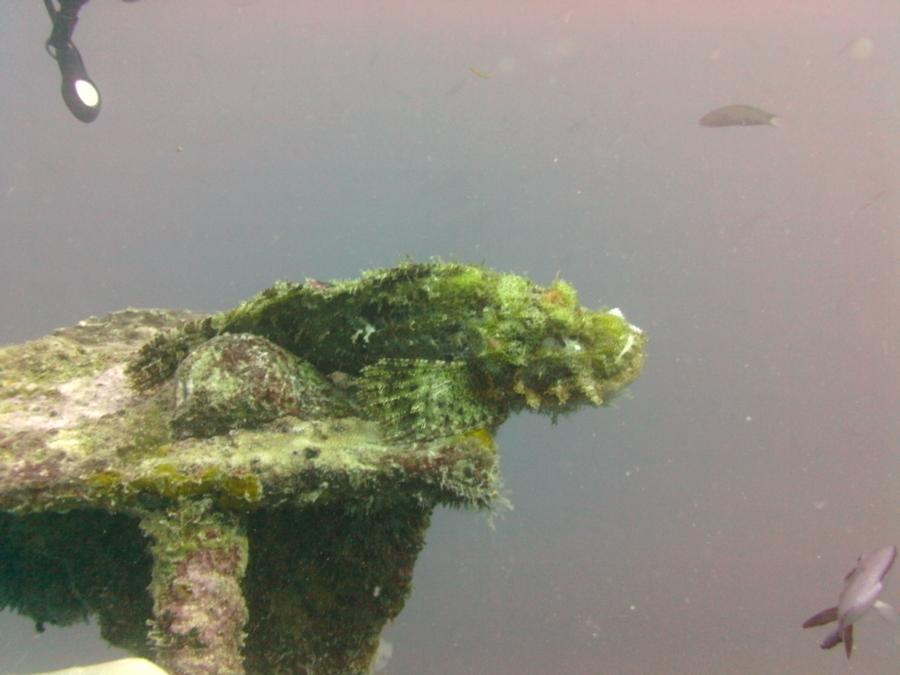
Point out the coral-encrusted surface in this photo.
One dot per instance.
(249, 492)
(104, 497)
(74, 434)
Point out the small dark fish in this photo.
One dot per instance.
(738, 116)
(862, 586)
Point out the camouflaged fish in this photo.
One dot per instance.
(432, 349)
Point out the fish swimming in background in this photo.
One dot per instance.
(738, 116)
(862, 587)
(859, 49)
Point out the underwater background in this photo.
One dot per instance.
(694, 524)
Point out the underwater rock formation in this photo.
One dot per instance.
(240, 381)
(249, 491)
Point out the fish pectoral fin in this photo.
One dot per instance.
(833, 638)
(848, 640)
(823, 617)
(887, 612)
(420, 399)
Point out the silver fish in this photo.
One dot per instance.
(862, 587)
(738, 116)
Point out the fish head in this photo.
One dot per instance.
(584, 357)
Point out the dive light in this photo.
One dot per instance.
(79, 92)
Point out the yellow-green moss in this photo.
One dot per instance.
(498, 343)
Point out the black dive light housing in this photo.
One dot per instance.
(79, 92)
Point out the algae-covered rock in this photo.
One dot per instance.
(249, 491)
(240, 381)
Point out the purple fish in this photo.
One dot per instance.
(861, 589)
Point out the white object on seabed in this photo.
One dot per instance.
(131, 666)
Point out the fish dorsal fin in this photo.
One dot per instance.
(422, 399)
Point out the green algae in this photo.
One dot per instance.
(197, 547)
(237, 381)
(271, 471)
(433, 349)
(327, 617)
(60, 568)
